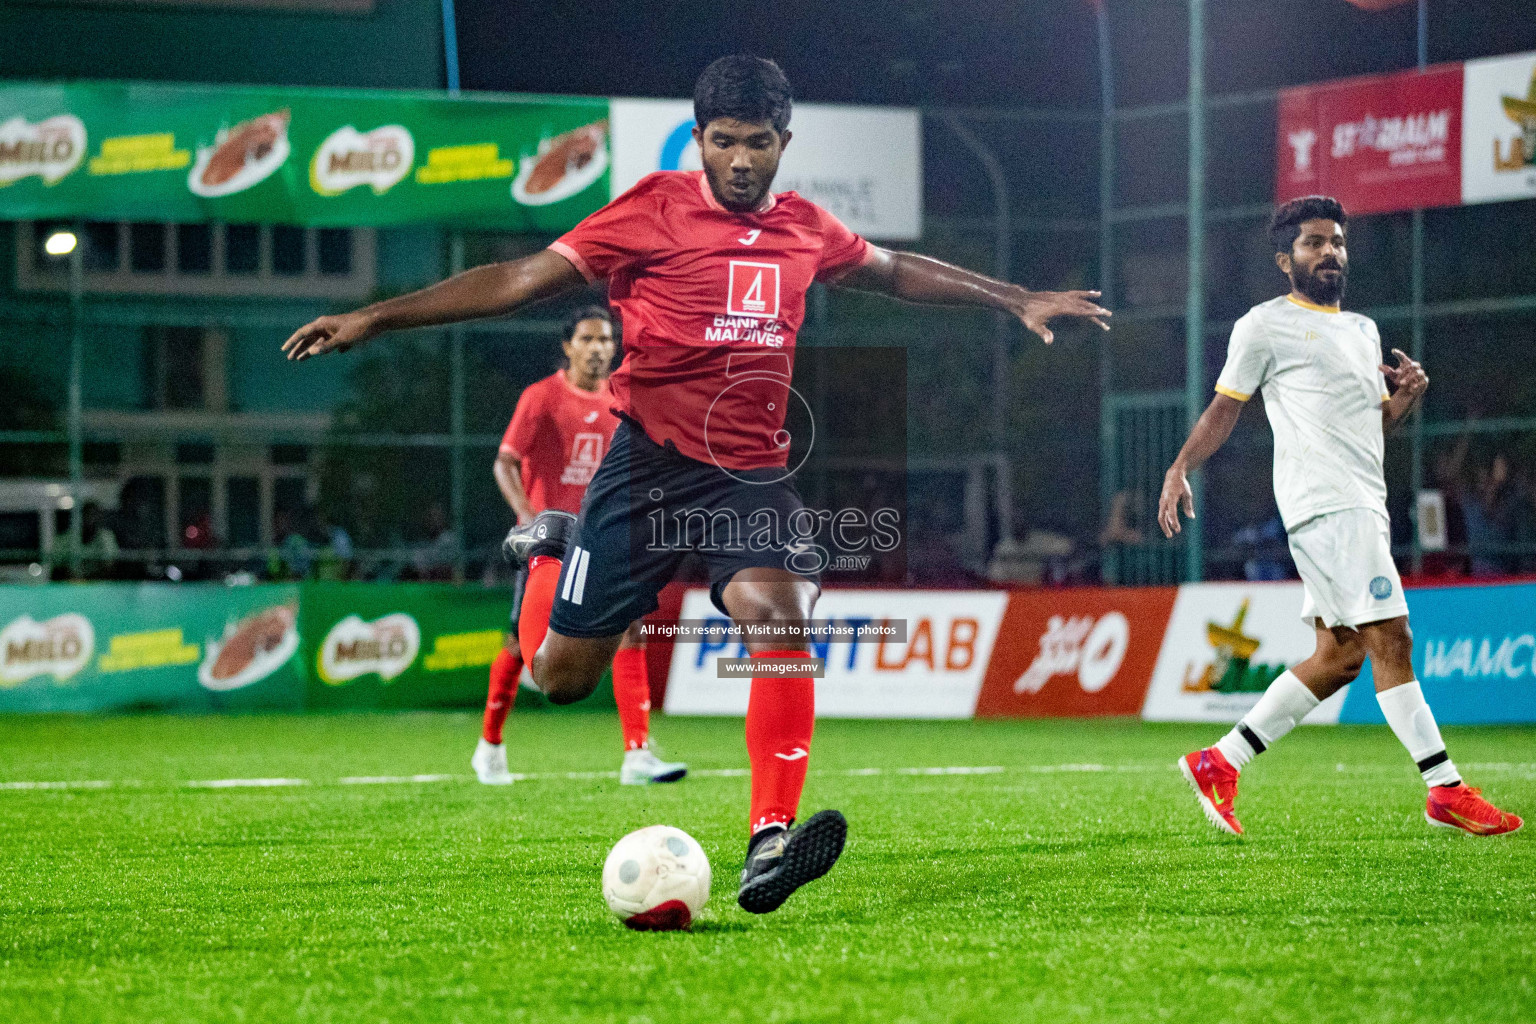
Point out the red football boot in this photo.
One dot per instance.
(1463, 807)
(1214, 781)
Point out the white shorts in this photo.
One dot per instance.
(1345, 561)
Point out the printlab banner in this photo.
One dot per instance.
(332, 158)
(189, 153)
(1452, 134)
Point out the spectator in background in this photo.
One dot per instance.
(1488, 507)
(435, 560)
(1268, 557)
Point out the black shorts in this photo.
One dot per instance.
(646, 508)
(519, 582)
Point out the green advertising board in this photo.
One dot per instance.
(197, 647)
(189, 153)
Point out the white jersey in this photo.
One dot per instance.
(1320, 371)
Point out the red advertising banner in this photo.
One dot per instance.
(1075, 652)
(1379, 143)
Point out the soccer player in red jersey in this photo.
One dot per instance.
(557, 437)
(708, 272)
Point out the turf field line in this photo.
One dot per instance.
(1518, 768)
(388, 780)
(244, 783)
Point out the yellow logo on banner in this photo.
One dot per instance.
(464, 650)
(464, 163)
(137, 154)
(154, 649)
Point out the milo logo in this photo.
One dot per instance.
(50, 149)
(349, 158)
(384, 647)
(59, 647)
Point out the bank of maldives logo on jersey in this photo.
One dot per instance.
(754, 290)
(586, 453)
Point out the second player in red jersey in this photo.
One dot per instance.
(559, 433)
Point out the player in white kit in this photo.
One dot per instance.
(1327, 396)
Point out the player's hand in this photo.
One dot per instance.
(1176, 494)
(1037, 309)
(1408, 375)
(330, 334)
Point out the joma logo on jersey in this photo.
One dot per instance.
(754, 290)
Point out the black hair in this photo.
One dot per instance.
(743, 88)
(568, 328)
(1285, 225)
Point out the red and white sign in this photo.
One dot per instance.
(937, 673)
(1384, 142)
(754, 290)
(1075, 652)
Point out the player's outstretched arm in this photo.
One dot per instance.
(906, 275)
(492, 290)
(1210, 433)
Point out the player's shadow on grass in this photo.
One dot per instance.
(720, 927)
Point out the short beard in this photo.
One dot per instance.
(1318, 290)
(720, 194)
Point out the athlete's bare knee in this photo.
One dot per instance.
(567, 670)
(1390, 643)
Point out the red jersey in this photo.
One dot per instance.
(709, 302)
(560, 433)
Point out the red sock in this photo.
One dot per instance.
(503, 693)
(632, 693)
(781, 714)
(538, 602)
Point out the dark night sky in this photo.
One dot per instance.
(961, 52)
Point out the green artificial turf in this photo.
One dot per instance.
(1080, 883)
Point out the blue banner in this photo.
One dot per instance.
(1474, 648)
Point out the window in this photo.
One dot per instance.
(203, 259)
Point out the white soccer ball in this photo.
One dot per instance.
(656, 879)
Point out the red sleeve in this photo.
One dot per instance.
(521, 432)
(619, 235)
(841, 249)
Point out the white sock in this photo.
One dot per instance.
(1284, 704)
(1413, 722)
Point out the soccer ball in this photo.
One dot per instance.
(656, 879)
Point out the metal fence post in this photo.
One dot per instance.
(1416, 348)
(1109, 559)
(1194, 305)
(1002, 269)
(76, 425)
(456, 417)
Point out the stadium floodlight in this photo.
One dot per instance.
(60, 243)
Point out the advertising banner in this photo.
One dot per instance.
(195, 647)
(936, 673)
(1498, 159)
(1226, 642)
(187, 153)
(1075, 653)
(1385, 142)
(1452, 134)
(402, 646)
(1473, 648)
(864, 164)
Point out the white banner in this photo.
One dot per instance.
(1498, 139)
(1226, 642)
(864, 164)
(937, 673)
